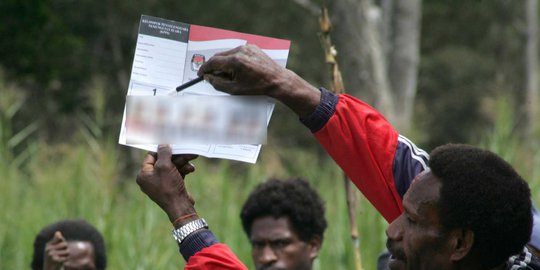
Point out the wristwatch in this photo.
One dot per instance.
(181, 233)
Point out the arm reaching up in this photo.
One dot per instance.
(163, 182)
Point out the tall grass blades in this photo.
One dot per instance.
(11, 102)
(502, 139)
(78, 179)
(71, 181)
(506, 140)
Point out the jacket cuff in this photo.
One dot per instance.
(196, 241)
(318, 118)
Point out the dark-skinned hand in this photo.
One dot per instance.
(247, 70)
(56, 252)
(163, 181)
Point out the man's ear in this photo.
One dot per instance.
(461, 242)
(314, 246)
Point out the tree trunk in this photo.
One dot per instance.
(531, 67)
(360, 53)
(379, 55)
(122, 75)
(402, 37)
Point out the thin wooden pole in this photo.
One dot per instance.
(337, 87)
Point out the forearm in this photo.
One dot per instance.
(195, 241)
(218, 256)
(180, 214)
(201, 249)
(296, 93)
(163, 182)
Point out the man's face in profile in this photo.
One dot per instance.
(415, 238)
(275, 245)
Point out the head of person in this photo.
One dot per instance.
(471, 210)
(284, 221)
(85, 244)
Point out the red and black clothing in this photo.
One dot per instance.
(379, 161)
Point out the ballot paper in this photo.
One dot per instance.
(198, 120)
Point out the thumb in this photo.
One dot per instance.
(164, 153)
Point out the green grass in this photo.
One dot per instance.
(74, 181)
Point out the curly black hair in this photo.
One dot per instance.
(482, 192)
(292, 198)
(72, 230)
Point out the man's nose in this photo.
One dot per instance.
(267, 255)
(394, 230)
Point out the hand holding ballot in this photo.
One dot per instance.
(247, 70)
(161, 178)
(167, 103)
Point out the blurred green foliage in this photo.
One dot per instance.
(471, 53)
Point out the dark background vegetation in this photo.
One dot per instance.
(58, 50)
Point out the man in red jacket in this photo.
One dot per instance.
(383, 164)
(430, 226)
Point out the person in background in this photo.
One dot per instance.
(285, 223)
(69, 245)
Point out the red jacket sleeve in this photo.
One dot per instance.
(363, 144)
(217, 256)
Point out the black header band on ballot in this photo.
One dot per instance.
(163, 28)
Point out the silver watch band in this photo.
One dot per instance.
(181, 233)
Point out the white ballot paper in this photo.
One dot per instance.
(198, 120)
